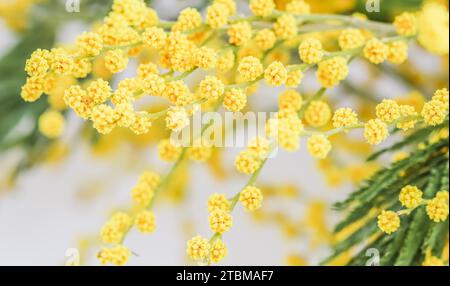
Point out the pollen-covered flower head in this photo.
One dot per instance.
(197, 248)
(102, 117)
(239, 33)
(310, 51)
(319, 146)
(51, 124)
(388, 221)
(218, 251)
(438, 209)
(250, 68)
(247, 162)
(188, 19)
(265, 39)
(251, 198)
(218, 202)
(275, 74)
(398, 52)
(285, 27)
(217, 15)
(211, 87)
(299, 7)
(331, 71)
(344, 117)
(375, 131)
(154, 37)
(406, 24)
(89, 44)
(434, 112)
(433, 28)
(220, 221)
(235, 99)
(350, 39)
(410, 196)
(318, 113)
(388, 110)
(145, 221)
(375, 51)
(177, 118)
(168, 151)
(290, 99)
(262, 8)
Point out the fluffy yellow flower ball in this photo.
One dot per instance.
(205, 58)
(285, 27)
(331, 71)
(103, 118)
(247, 162)
(310, 51)
(375, 131)
(51, 124)
(250, 68)
(298, 7)
(410, 196)
(275, 74)
(433, 28)
(375, 51)
(168, 151)
(218, 251)
(188, 19)
(398, 52)
(294, 78)
(111, 232)
(142, 194)
(259, 145)
(262, 8)
(154, 37)
(319, 146)
(251, 198)
(217, 15)
(240, 33)
(89, 44)
(388, 221)
(117, 255)
(211, 87)
(199, 152)
(265, 39)
(406, 24)
(437, 209)
(218, 202)
(350, 39)
(344, 117)
(388, 110)
(37, 64)
(442, 96)
(434, 112)
(235, 99)
(318, 113)
(177, 118)
(116, 61)
(198, 248)
(220, 221)
(290, 99)
(145, 221)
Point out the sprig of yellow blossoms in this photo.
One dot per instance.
(183, 47)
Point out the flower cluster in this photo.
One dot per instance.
(235, 54)
(410, 197)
